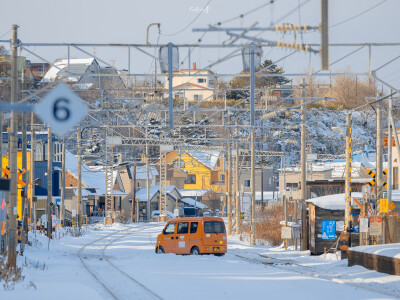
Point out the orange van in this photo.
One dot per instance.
(200, 235)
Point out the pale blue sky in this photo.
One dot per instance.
(125, 21)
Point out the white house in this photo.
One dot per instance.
(193, 84)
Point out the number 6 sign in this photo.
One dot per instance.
(61, 109)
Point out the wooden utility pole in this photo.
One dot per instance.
(49, 182)
(379, 152)
(12, 216)
(62, 183)
(133, 196)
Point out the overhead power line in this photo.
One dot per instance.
(360, 14)
(187, 26)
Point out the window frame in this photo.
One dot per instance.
(180, 227)
(165, 232)
(197, 226)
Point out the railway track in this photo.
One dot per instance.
(117, 283)
(292, 266)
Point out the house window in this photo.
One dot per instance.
(191, 179)
(222, 178)
(197, 97)
(246, 183)
(294, 186)
(201, 80)
(40, 71)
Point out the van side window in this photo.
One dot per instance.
(193, 227)
(170, 228)
(183, 227)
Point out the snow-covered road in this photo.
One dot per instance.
(119, 262)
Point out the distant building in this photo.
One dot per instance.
(82, 72)
(193, 88)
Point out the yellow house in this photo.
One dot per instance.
(205, 169)
(19, 166)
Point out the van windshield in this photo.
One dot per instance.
(214, 227)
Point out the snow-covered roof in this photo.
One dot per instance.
(193, 192)
(141, 194)
(192, 202)
(388, 250)
(267, 195)
(141, 172)
(207, 158)
(333, 202)
(91, 177)
(76, 65)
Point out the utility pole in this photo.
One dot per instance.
(237, 189)
(32, 173)
(324, 35)
(79, 200)
(390, 154)
(252, 145)
(304, 236)
(49, 182)
(148, 184)
(133, 191)
(24, 237)
(229, 204)
(62, 183)
(12, 217)
(347, 208)
(1, 145)
(379, 152)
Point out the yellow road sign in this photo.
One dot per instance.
(384, 205)
(392, 205)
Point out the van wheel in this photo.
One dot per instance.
(195, 251)
(160, 250)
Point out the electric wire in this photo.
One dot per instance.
(194, 20)
(356, 16)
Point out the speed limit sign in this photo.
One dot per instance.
(61, 109)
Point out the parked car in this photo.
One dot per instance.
(201, 235)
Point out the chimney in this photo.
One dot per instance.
(194, 66)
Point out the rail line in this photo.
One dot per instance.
(126, 281)
(284, 264)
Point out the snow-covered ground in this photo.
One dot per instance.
(118, 262)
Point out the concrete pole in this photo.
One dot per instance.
(390, 154)
(237, 189)
(347, 208)
(24, 179)
(12, 217)
(304, 233)
(79, 200)
(396, 139)
(324, 35)
(49, 182)
(170, 99)
(252, 142)
(32, 173)
(133, 192)
(229, 205)
(62, 210)
(148, 184)
(379, 152)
